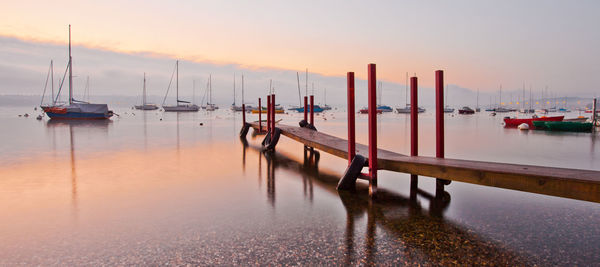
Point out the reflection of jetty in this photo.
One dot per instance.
(561, 182)
(426, 236)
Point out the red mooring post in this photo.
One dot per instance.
(268, 113)
(439, 113)
(244, 114)
(306, 108)
(351, 127)
(312, 109)
(414, 128)
(372, 130)
(272, 116)
(439, 124)
(259, 116)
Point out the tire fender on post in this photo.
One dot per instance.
(272, 143)
(348, 181)
(244, 130)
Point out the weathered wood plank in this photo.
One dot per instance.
(561, 182)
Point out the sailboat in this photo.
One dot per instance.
(447, 109)
(299, 107)
(406, 108)
(186, 106)
(325, 106)
(233, 106)
(145, 105)
(75, 109)
(209, 105)
(477, 109)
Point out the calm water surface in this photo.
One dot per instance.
(159, 188)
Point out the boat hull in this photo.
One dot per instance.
(569, 126)
(466, 112)
(508, 122)
(146, 107)
(191, 108)
(78, 116)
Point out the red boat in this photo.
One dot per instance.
(366, 111)
(514, 122)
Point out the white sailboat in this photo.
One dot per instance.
(447, 108)
(186, 106)
(234, 107)
(145, 105)
(406, 109)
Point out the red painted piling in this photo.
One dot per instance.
(414, 114)
(244, 114)
(351, 127)
(312, 109)
(439, 113)
(268, 113)
(372, 100)
(414, 129)
(259, 116)
(272, 116)
(306, 108)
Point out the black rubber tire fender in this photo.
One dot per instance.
(348, 181)
(273, 143)
(244, 130)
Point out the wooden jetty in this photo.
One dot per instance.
(562, 182)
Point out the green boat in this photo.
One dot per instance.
(539, 125)
(568, 126)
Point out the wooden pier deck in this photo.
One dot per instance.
(561, 182)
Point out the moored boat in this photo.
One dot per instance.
(145, 105)
(186, 106)
(366, 111)
(569, 126)
(466, 110)
(514, 122)
(75, 110)
(406, 109)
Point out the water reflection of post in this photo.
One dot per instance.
(270, 179)
(244, 148)
(310, 167)
(260, 156)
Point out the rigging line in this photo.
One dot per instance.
(62, 82)
(169, 87)
(45, 85)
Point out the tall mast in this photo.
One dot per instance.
(500, 102)
(306, 83)
(52, 80)
(177, 79)
(234, 89)
(70, 70)
(144, 96)
(477, 98)
(193, 91)
(406, 91)
(210, 88)
(299, 95)
(242, 89)
(530, 96)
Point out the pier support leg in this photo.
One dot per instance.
(414, 128)
(372, 100)
(259, 116)
(439, 123)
